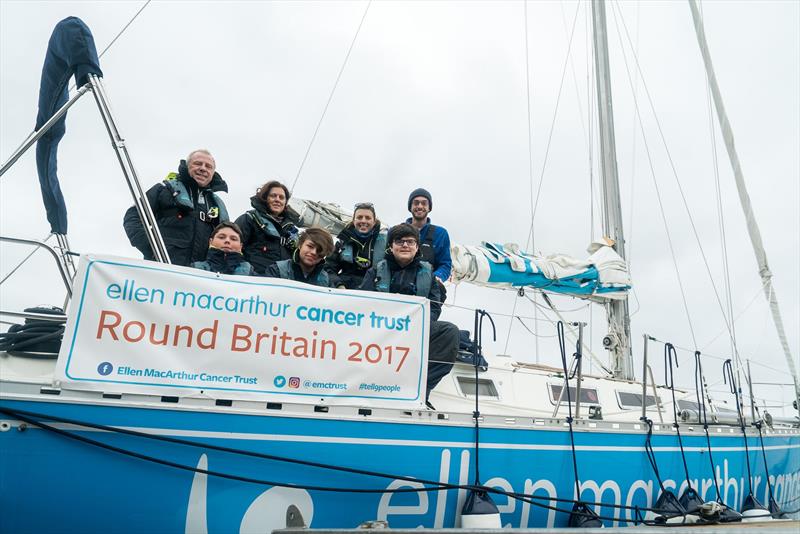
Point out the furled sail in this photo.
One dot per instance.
(602, 276)
(71, 51)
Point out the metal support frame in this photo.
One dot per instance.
(37, 134)
(61, 269)
(128, 170)
(579, 373)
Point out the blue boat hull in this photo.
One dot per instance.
(84, 488)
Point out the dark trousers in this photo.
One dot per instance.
(442, 352)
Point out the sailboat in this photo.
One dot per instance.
(551, 445)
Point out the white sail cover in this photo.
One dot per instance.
(602, 276)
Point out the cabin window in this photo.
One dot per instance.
(486, 387)
(631, 401)
(692, 405)
(588, 395)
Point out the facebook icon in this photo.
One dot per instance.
(105, 368)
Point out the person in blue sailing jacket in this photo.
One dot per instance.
(269, 231)
(308, 261)
(404, 271)
(186, 208)
(434, 240)
(359, 246)
(225, 252)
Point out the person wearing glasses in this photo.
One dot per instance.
(307, 262)
(269, 234)
(404, 271)
(434, 240)
(359, 246)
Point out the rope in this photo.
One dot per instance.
(562, 347)
(702, 416)
(28, 417)
(330, 96)
(670, 357)
(730, 379)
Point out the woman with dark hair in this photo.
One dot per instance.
(359, 246)
(269, 233)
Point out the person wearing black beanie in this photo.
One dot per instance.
(434, 240)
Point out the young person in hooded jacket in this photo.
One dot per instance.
(186, 208)
(269, 231)
(359, 246)
(403, 271)
(225, 252)
(308, 261)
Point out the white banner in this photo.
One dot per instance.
(142, 327)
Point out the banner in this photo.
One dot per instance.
(143, 327)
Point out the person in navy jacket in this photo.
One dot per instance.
(434, 240)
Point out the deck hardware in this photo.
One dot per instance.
(274, 406)
(223, 402)
(364, 411)
(166, 398)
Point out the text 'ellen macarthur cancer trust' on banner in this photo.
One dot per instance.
(142, 327)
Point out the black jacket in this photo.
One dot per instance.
(185, 234)
(219, 261)
(317, 277)
(260, 247)
(404, 282)
(351, 273)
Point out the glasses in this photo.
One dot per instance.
(364, 206)
(410, 242)
(421, 202)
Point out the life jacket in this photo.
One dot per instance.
(288, 235)
(243, 269)
(287, 273)
(423, 282)
(348, 253)
(427, 252)
(183, 199)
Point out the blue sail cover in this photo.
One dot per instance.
(604, 275)
(71, 51)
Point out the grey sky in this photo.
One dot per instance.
(434, 95)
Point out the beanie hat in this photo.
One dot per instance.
(399, 231)
(420, 192)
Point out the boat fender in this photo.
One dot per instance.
(753, 510)
(480, 511)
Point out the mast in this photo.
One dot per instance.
(744, 198)
(617, 342)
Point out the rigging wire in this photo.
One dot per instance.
(330, 96)
(530, 240)
(669, 159)
(124, 28)
(655, 182)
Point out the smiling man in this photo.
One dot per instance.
(308, 260)
(404, 271)
(187, 209)
(434, 240)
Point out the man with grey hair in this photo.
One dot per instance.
(186, 208)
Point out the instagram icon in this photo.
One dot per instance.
(294, 382)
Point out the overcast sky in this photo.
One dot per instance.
(434, 95)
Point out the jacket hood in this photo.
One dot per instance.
(288, 212)
(216, 184)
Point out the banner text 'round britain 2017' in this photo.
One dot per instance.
(142, 327)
